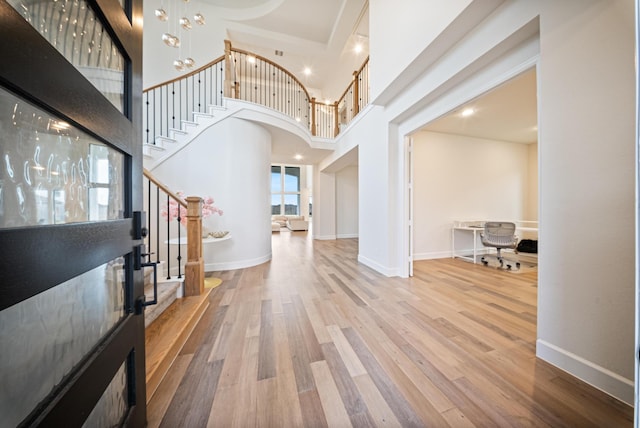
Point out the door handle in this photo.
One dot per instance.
(139, 263)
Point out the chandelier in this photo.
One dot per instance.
(182, 24)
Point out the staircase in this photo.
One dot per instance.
(168, 291)
(165, 146)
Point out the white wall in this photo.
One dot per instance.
(399, 34)
(347, 202)
(324, 205)
(374, 192)
(463, 178)
(230, 162)
(411, 36)
(586, 125)
(531, 206)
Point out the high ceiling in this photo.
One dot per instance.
(318, 34)
(506, 113)
(322, 34)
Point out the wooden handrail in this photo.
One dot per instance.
(354, 78)
(364, 64)
(184, 76)
(241, 51)
(163, 187)
(344, 94)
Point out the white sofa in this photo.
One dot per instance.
(291, 222)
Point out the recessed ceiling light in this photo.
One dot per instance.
(468, 112)
(307, 71)
(298, 157)
(358, 48)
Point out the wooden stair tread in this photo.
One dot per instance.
(165, 337)
(168, 292)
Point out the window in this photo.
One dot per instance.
(285, 190)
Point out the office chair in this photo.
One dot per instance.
(499, 235)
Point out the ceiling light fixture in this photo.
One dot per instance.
(307, 71)
(468, 112)
(298, 157)
(358, 48)
(170, 39)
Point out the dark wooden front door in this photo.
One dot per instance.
(71, 332)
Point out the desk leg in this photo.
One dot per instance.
(453, 243)
(475, 250)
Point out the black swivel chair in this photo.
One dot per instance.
(499, 235)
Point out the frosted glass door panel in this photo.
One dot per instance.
(52, 173)
(77, 33)
(113, 405)
(50, 333)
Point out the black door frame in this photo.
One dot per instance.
(35, 259)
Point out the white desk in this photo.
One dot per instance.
(475, 228)
(475, 232)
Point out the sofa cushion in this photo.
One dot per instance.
(280, 219)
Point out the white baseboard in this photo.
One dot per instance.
(324, 237)
(432, 255)
(377, 266)
(596, 376)
(347, 235)
(238, 264)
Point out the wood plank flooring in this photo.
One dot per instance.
(314, 339)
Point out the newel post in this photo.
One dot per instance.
(356, 94)
(230, 84)
(313, 116)
(336, 120)
(194, 269)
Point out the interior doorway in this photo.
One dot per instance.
(478, 162)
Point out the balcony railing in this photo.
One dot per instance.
(260, 81)
(355, 97)
(249, 77)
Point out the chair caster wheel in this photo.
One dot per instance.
(484, 262)
(508, 267)
(518, 265)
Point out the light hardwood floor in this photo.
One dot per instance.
(313, 338)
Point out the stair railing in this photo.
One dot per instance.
(243, 75)
(167, 214)
(166, 105)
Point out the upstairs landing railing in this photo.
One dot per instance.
(354, 98)
(249, 77)
(168, 214)
(261, 81)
